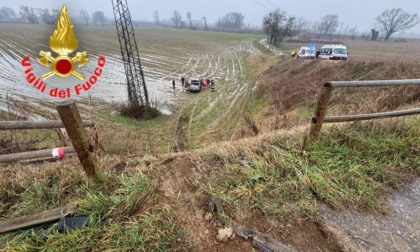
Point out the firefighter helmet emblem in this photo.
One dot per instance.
(63, 42)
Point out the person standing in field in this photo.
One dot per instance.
(173, 83)
(182, 81)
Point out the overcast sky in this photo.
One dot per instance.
(360, 13)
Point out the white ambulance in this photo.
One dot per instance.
(333, 52)
(306, 53)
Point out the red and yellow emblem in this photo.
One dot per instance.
(63, 42)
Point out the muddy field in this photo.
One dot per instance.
(165, 54)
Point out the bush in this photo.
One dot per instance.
(141, 112)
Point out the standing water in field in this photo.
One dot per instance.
(165, 55)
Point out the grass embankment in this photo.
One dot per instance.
(291, 89)
(353, 166)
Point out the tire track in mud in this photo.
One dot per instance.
(192, 67)
(191, 118)
(222, 61)
(232, 103)
(236, 85)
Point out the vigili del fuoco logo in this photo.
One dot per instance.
(63, 42)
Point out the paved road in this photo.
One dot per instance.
(397, 231)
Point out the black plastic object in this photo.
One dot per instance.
(72, 222)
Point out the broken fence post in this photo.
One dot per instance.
(48, 153)
(318, 119)
(72, 121)
(35, 219)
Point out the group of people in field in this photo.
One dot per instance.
(204, 83)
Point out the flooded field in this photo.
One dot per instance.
(166, 54)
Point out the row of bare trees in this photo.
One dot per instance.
(29, 14)
(177, 22)
(97, 18)
(277, 25)
(231, 20)
(33, 15)
(8, 14)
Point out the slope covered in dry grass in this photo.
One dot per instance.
(291, 88)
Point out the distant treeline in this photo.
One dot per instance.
(277, 25)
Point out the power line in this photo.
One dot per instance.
(260, 4)
(275, 5)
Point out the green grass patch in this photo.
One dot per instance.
(353, 165)
(305, 111)
(126, 120)
(257, 104)
(116, 220)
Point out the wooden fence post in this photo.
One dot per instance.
(36, 219)
(79, 138)
(48, 153)
(318, 119)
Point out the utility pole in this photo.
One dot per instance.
(136, 85)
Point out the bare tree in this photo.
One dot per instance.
(339, 31)
(395, 20)
(365, 35)
(47, 17)
(277, 25)
(156, 17)
(176, 18)
(346, 30)
(307, 27)
(84, 15)
(55, 14)
(7, 14)
(98, 18)
(29, 14)
(189, 16)
(233, 20)
(353, 33)
(300, 26)
(327, 25)
(206, 27)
